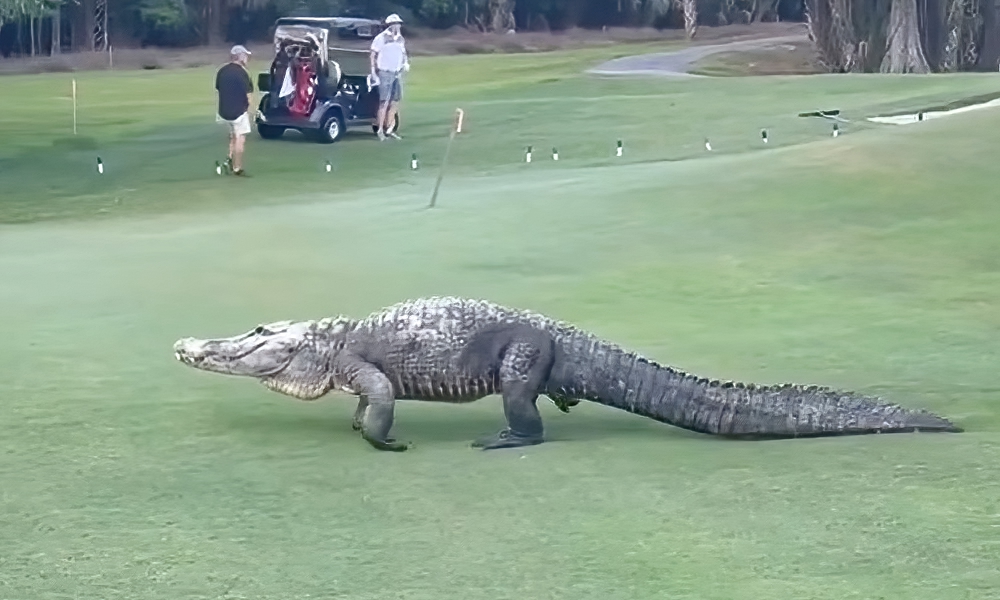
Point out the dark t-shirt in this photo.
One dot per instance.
(233, 83)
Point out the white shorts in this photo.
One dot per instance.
(238, 126)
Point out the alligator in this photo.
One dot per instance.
(457, 350)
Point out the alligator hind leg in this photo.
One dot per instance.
(525, 366)
(359, 413)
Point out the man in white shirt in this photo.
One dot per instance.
(389, 59)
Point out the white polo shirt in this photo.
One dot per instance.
(391, 51)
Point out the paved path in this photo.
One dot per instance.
(679, 62)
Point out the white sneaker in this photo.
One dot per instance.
(394, 136)
(381, 135)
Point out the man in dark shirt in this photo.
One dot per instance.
(235, 91)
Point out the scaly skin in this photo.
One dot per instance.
(459, 350)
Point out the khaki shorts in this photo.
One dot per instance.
(238, 126)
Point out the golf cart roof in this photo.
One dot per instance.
(346, 26)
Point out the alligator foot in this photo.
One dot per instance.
(564, 405)
(506, 439)
(356, 424)
(388, 444)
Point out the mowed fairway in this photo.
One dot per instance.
(870, 262)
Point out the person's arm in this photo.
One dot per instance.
(250, 104)
(373, 55)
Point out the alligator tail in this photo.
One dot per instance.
(590, 369)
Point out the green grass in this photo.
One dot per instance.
(869, 262)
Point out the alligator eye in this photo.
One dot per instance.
(259, 330)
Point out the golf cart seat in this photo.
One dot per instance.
(333, 77)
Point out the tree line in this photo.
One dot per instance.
(848, 35)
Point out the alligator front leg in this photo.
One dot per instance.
(375, 392)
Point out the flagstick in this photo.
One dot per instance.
(444, 161)
(74, 107)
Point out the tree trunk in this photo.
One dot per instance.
(832, 32)
(762, 10)
(216, 22)
(31, 33)
(83, 25)
(690, 18)
(501, 15)
(989, 57)
(56, 31)
(904, 53)
(933, 29)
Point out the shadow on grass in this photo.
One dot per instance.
(76, 142)
(434, 425)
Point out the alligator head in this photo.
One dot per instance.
(284, 356)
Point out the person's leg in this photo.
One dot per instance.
(390, 116)
(238, 153)
(242, 129)
(380, 118)
(232, 146)
(394, 98)
(384, 88)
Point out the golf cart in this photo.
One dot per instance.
(318, 82)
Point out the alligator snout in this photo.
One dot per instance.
(188, 351)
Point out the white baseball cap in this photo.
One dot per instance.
(393, 18)
(239, 49)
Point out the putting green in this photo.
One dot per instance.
(868, 262)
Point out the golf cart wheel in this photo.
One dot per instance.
(332, 129)
(270, 132)
(392, 126)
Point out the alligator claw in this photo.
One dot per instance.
(388, 444)
(506, 439)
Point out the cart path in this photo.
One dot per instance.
(679, 62)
